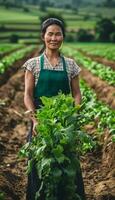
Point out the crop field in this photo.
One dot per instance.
(97, 81)
(15, 15)
(74, 25)
(15, 21)
(106, 51)
(97, 84)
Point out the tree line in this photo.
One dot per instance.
(70, 4)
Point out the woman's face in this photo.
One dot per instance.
(53, 37)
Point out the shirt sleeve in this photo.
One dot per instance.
(75, 69)
(30, 65)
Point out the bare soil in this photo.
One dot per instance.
(98, 166)
(100, 59)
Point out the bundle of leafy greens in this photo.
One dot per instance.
(56, 148)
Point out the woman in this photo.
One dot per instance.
(46, 75)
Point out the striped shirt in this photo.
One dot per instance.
(33, 65)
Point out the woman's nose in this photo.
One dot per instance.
(53, 37)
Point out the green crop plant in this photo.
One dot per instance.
(9, 60)
(56, 147)
(98, 69)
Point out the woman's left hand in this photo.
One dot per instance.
(35, 123)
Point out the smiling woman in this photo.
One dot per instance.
(46, 75)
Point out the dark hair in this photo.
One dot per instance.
(51, 21)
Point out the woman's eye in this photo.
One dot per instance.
(50, 34)
(58, 34)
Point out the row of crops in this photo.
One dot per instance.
(103, 50)
(98, 69)
(7, 48)
(9, 60)
(96, 110)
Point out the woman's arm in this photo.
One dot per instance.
(28, 97)
(29, 87)
(76, 90)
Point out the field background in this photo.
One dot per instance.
(19, 41)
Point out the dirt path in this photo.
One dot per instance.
(99, 59)
(96, 169)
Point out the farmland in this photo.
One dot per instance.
(26, 25)
(97, 83)
(99, 108)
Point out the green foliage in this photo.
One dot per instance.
(112, 37)
(103, 29)
(2, 196)
(98, 69)
(6, 48)
(98, 49)
(14, 38)
(43, 5)
(26, 10)
(70, 37)
(94, 109)
(109, 3)
(84, 36)
(9, 60)
(86, 17)
(56, 146)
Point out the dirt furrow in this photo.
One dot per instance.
(104, 92)
(99, 59)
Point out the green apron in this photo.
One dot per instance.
(49, 84)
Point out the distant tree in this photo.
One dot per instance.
(67, 6)
(103, 29)
(112, 37)
(43, 5)
(18, 3)
(98, 15)
(34, 2)
(84, 36)
(109, 3)
(14, 38)
(70, 37)
(25, 9)
(86, 17)
(76, 4)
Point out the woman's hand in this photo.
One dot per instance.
(35, 123)
(31, 115)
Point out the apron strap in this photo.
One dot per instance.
(64, 63)
(41, 61)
